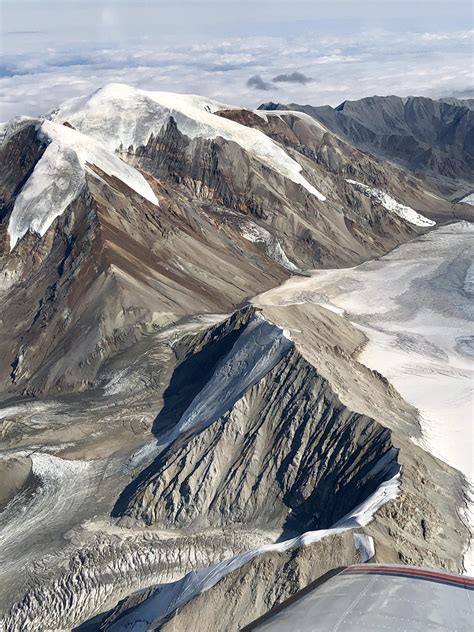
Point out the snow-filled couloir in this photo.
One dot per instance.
(389, 203)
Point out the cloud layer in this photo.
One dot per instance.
(36, 78)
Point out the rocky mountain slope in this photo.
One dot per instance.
(429, 137)
(234, 470)
(234, 203)
(169, 449)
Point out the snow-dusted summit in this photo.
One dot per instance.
(122, 116)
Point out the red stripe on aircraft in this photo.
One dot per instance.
(407, 571)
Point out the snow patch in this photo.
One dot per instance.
(121, 115)
(51, 469)
(59, 177)
(257, 234)
(301, 115)
(8, 278)
(469, 199)
(389, 203)
(258, 349)
(173, 596)
(468, 285)
(62, 483)
(365, 545)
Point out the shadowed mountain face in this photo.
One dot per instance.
(430, 137)
(186, 434)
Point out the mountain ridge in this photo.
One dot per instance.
(184, 409)
(430, 137)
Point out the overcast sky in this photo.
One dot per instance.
(243, 52)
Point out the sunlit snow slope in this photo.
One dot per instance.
(59, 177)
(389, 203)
(121, 115)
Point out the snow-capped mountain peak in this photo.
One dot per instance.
(122, 116)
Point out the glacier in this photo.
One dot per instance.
(124, 116)
(59, 177)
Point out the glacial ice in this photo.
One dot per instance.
(415, 307)
(257, 234)
(389, 203)
(158, 605)
(469, 199)
(59, 177)
(121, 115)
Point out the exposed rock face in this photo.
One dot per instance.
(113, 268)
(287, 455)
(170, 449)
(429, 137)
(16, 475)
(330, 153)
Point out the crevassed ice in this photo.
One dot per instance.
(389, 203)
(121, 115)
(155, 607)
(59, 177)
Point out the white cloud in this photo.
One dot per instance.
(345, 66)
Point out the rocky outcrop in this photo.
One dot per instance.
(287, 455)
(312, 233)
(16, 476)
(226, 470)
(112, 269)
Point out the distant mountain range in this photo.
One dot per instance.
(433, 138)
